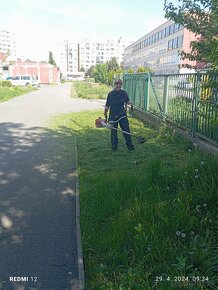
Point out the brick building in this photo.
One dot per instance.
(45, 72)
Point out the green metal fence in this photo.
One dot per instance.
(188, 100)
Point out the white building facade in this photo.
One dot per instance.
(159, 49)
(7, 42)
(74, 56)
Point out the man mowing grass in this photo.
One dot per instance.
(117, 101)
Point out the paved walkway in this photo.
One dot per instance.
(38, 237)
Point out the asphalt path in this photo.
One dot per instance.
(38, 234)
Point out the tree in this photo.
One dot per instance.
(82, 69)
(122, 66)
(90, 72)
(130, 71)
(100, 73)
(201, 17)
(112, 64)
(143, 69)
(110, 77)
(51, 59)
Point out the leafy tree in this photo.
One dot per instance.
(111, 75)
(143, 69)
(112, 64)
(90, 72)
(122, 66)
(201, 17)
(100, 73)
(130, 71)
(51, 59)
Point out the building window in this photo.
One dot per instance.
(163, 33)
(176, 27)
(174, 43)
(155, 37)
(179, 41)
(180, 27)
(170, 44)
(150, 40)
(172, 29)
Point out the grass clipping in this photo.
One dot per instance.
(148, 217)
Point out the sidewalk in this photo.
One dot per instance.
(38, 230)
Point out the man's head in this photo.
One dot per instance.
(118, 84)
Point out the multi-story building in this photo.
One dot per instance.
(7, 42)
(160, 48)
(94, 52)
(67, 57)
(76, 56)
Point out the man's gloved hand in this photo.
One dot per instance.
(131, 108)
(105, 112)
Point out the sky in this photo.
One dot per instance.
(39, 25)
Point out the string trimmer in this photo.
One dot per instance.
(100, 123)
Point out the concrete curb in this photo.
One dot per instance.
(78, 229)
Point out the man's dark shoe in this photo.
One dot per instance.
(131, 148)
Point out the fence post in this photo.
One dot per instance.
(134, 83)
(165, 95)
(195, 105)
(146, 93)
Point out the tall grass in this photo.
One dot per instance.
(7, 93)
(148, 217)
(89, 90)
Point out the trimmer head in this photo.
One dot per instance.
(99, 123)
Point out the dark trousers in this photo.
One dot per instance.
(124, 125)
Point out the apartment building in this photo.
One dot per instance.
(94, 52)
(67, 57)
(160, 48)
(7, 42)
(75, 56)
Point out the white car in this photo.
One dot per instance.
(25, 80)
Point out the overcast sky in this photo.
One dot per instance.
(40, 25)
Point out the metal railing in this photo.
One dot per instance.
(188, 100)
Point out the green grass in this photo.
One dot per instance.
(145, 214)
(7, 93)
(87, 90)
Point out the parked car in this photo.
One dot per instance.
(25, 80)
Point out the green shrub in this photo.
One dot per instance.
(5, 84)
(87, 90)
(7, 93)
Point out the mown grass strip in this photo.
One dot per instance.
(87, 90)
(148, 217)
(7, 93)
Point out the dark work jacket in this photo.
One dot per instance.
(116, 101)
